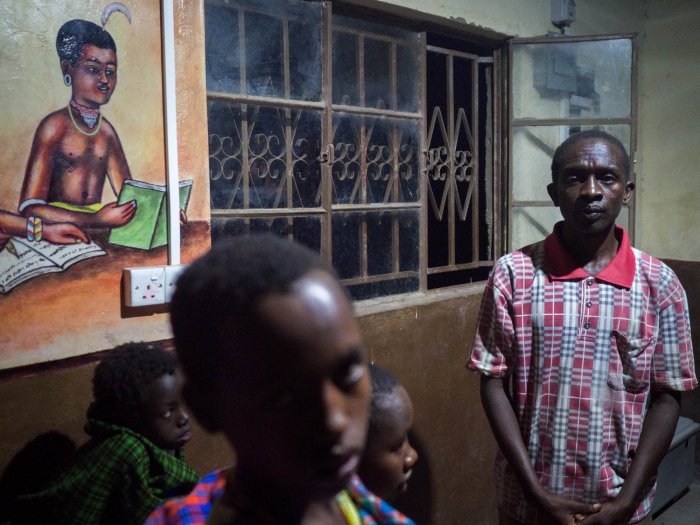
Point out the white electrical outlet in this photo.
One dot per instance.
(144, 286)
(171, 275)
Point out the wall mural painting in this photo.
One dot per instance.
(83, 176)
(62, 217)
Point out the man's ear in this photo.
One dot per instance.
(552, 190)
(629, 191)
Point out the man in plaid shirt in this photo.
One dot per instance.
(584, 347)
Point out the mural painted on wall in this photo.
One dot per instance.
(76, 150)
(82, 172)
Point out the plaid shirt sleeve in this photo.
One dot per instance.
(673, 365)
(493, 344)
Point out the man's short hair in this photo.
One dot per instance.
(215, 301)
(74, 34)
(383, 385)
(586, 135)
(120, 380)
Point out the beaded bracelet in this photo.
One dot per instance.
(35, 229)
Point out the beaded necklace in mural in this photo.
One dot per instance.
(89, 116)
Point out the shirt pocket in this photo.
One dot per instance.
(629, 367)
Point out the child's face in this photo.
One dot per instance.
(297, 412)
(389, 457)
(163, 419)
(94, 76)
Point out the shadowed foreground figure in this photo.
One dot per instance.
(584, 347)
(273, 358)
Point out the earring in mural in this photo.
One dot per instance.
(67, 80)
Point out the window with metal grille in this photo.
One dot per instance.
(367, 142)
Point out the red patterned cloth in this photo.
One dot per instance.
(584, 353)
(373, 509)
(196, 507)
(193, 509)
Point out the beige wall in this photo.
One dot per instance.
(511, 17)
(450, 428)
(669, 117)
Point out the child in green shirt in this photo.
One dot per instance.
(133, 461)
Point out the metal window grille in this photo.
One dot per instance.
(318, 131)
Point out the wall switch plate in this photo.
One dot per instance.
(171, 275)
(144, 286)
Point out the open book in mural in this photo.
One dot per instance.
(23, 259)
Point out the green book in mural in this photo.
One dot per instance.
(149, 227)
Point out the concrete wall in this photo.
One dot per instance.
(669, 131)
(689, 275)
(426, 347)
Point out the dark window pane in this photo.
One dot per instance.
(383, 288)
(345, 72)
(221, 42)
(305, 58)
(374, 251)
(388, 59)
(278, 54)
(264, 56)
(305, 230)
(378, 71)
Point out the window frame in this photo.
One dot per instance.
(328, 109)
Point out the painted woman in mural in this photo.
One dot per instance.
(76, 149)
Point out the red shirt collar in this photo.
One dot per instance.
(561, 266)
